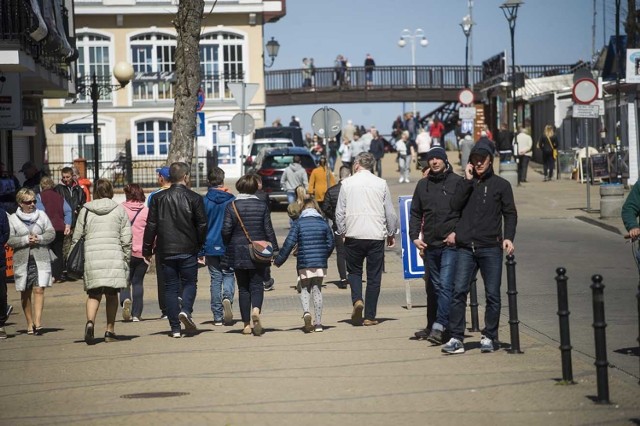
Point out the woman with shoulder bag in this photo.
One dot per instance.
(548, 144)
(248, 220)
(31, 232)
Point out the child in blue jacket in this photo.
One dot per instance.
(314, 239)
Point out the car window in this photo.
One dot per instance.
(282, 161)
(257, 147)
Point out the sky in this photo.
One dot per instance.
(548, 32)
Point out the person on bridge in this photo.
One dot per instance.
(369, 65)
(365, 218)
(306, 73)
(431, 215)
(485, 201)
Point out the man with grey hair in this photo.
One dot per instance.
(365, 218)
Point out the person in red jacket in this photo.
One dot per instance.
(436, 131)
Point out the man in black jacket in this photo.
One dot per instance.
(377, 149)
(431, 215)
(177, 223)
(485, 201)
(329, 209)
(76, 198)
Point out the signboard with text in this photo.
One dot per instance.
(10, 101)
(412, 263)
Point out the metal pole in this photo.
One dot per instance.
(466, 62)
(470, 4)
(565, 335)
(512, 28)
(473, 304)
(618, 66)
(512, 294)
(588, 170)
(413, 64)
(599, 326)
(95, 95)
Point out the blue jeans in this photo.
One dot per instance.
(332, 162)
(441, 262)
(356, 252)
(180, 271)
(379, 167)
(223, 285)
(489, 261)
(250, 290)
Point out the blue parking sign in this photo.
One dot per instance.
(412, 262)
(200, 130)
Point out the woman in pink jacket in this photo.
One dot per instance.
(132, 296)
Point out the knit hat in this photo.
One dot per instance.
(437, 152)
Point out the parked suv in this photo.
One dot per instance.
(259, 145)
(271, 163)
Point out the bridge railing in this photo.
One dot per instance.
(394, 77)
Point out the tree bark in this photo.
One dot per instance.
(187, 23)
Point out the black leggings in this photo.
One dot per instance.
(548, 164)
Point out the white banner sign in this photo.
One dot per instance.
(586, 111)
(633, 66)
(10, 102)
(467, 113)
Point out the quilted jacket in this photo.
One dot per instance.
(314, 239)
(257, 219)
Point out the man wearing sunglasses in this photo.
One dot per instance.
(485, 201)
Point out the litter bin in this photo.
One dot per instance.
(611, 200)
(509, 171)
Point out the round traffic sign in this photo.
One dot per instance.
(326, 122)
(465, 97)
(242, 123)
(585, 91)
(201, 98)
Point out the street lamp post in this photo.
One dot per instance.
(510, 10)
(123, 72)
(466, 25)
(272, 51)
(406, 35)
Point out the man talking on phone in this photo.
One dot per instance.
(485, 201)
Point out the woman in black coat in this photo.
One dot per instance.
(250, 275)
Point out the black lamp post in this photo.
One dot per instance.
(123, 72)
(510, 10)
(272, 51)
(466, 25)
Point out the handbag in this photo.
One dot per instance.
(260, 251)
(75, 259)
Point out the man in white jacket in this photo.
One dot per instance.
(525, 147)
(365, 218)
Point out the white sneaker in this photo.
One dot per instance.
(407, 180)
(318, 328)
(135, 319)
(187, 321)
(176, 335)
(486, 345)
(401, 180)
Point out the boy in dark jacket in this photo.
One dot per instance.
(315, 243)
(222, 280)
(485, 201)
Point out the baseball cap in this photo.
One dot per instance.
(163, 171)
(27, 165)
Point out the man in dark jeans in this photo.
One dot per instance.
(76, 198)
(177, 219)
(329, 209)
(484, 201)
(5, 310)
(365, 218)
(377, 149)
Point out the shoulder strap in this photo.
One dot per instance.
(233, 204)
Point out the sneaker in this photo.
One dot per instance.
(486, 345)
(407, 180)
(88, 333)
(257, 325)
(422, 334)
(126, 310)
(217, 323)
(135, 319)
(435, 337)
(176, 335)
(3, 333)
(453, 346)
(356, 314)
(9, 310)
(370, 322)
(163, 317)
(401, 180)
(308, 328)
(318, 328)
(187, 321)
(227, 315)
(269, 285)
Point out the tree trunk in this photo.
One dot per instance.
(187, 23)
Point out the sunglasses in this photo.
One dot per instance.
(28, 202)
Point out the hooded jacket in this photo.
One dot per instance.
(215, 203)
(107, 246)
(314, 239)
(137, 213)
(431, 210)
(293, 176)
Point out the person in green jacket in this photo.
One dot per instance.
(630, 213)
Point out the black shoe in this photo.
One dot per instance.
(110, 337)
(37, 331)
(422, 334)
(88, 333)
(343, 284)
(269, 285)
(435, 337)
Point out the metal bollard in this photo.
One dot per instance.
(512, 294)
(600, 336)
(565, 336)
(473, 304)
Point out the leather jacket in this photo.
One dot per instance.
(177, 223)
(75, 197)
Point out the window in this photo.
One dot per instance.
(153, 137)
(93, 59)
(221, 62)
(153, 60)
